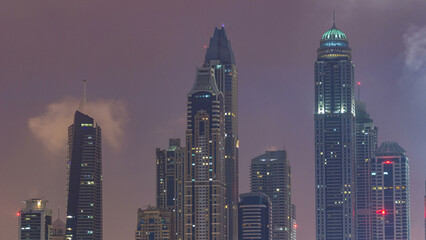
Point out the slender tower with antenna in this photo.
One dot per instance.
(84, 171)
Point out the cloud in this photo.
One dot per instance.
(50, 127)
(415, 48)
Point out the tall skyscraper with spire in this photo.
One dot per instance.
(204, 186)
(220, 57)
(334, 137)
(366, 145)
(84, 171)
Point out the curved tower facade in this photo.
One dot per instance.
(334, 137)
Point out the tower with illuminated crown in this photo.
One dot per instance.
(390, 193)
(220, 57)
(84, 171)
(204, 167)
(334, 137)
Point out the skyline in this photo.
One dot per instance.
(273, 109)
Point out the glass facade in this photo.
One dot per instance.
(270, 174)
(84, 170)
(390, 195)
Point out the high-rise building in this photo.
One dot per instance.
(366, 146)
(334, 138)
(170, 182)
(204, 200)
(35, 220)
(84, 170)
(155, 224)
(220, 57)
(271, 175)
(390, 196)
(255, 217)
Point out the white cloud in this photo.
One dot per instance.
(50, 127)
(415, 48)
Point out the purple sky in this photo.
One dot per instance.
(139, 59)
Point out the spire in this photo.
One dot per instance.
(334, 18)
(84, 92)
(220, 48)
(84, 99)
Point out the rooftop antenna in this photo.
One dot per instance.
(334, 18)
(84, 100)
(204, 52)
(84, 92)
(359, 91)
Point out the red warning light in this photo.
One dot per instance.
(359, 83)
(382, 212)
(18, 214)
(388, 162)
(205, 46)
(295, 226)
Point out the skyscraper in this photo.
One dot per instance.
(255, 217)
(155, 224)
(334, 137)
(35, 220)
(366, 145)
(204, 200)
(170, 181)
(390, 194)
(271, 175)
(84, 170)
(221, 58)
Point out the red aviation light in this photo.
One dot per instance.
(18, 214)
(382, 212)
(388, 162)
(359, 83)
(295, 226)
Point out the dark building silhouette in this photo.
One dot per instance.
(270, 174)
(170, 182)
(220, 57)
(204, 200)
(366, 146)
(390, 196)
(334, 138)
(84, 206)
(255, 217)
(35, 220)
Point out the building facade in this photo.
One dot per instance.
(334, 138)
(255, 217)
(366, 146)
(155, 224)
(270, 174)
(204, 200)
(220, 57)
(35, 220)
(170, 182)
(84, 170)
(390, 196)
